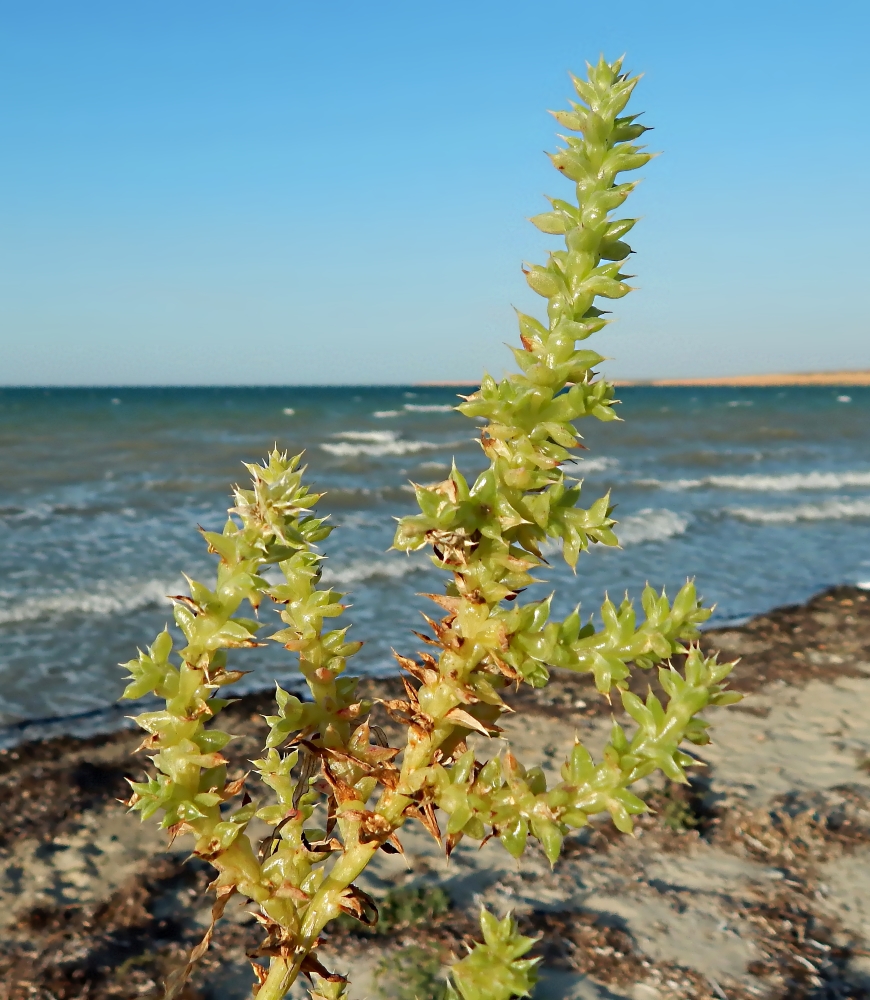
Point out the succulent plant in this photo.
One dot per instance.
(486, 536)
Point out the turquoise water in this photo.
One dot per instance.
(763, 495)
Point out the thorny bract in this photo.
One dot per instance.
(487, 537)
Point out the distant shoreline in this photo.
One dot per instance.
(793, 378)
(843, 378)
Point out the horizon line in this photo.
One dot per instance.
(848, 376)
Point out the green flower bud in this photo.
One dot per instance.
(495, 969)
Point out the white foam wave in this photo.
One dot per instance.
(772, 483)
(670, 484)
(383, 414)
(375, 436)
(367, 569)
(105, 599)
(376, 444)
(46, 511)
(428, 408)
(826, 510)
(596, 464)
(650, 525)
(347, 449)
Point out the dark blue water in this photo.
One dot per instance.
(763, 495)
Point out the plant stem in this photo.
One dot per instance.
(322, 908)
(282, 975)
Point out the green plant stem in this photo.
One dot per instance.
(324, 906)
(283, 973)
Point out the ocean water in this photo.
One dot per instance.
(762, 495)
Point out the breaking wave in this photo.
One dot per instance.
(106, 599)
(429, 407)
(346, 449)
(596, 464)
(650, 525)
(826, 510)
(377, 443)
(767, 483)
(378, 437)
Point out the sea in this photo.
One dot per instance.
(762, 495)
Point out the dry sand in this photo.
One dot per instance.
(752, 882)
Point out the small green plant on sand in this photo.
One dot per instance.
(676, 809)
(486, 536)
(411, 973)
(401, 909)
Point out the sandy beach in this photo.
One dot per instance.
(752, 882)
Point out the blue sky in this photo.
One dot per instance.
(275, 192)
